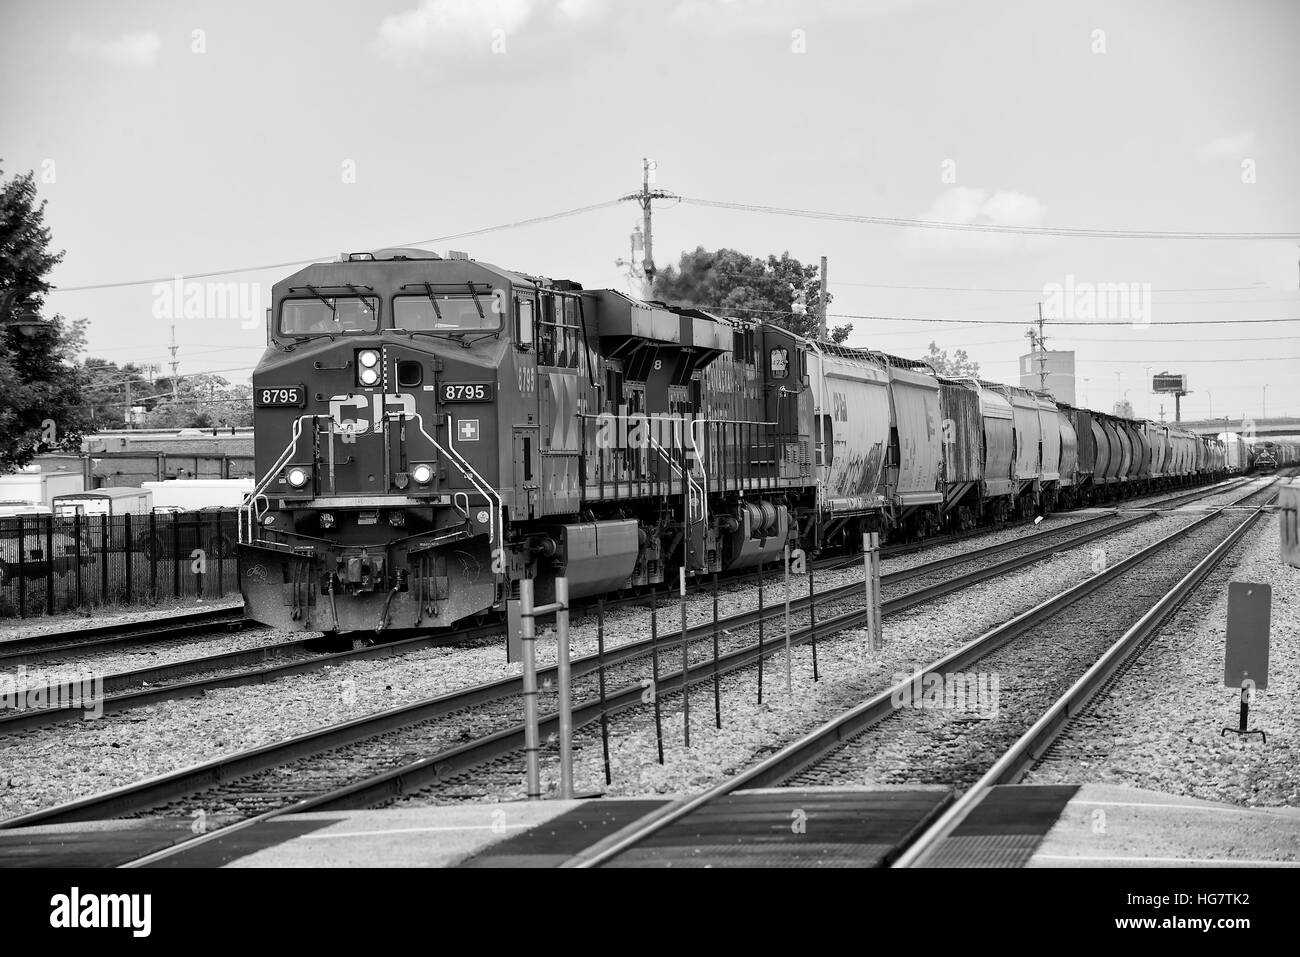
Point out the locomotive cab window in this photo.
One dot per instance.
(558, 332)
(445, 313)
(524, 323)
(329, 315)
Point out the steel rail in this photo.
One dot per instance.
(1034, 742)
(816, 744)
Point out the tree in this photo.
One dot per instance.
(201, 401)
(959, 365)
(111, 390)
(40, 401)
(782, 291)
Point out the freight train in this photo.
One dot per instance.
(430, 432)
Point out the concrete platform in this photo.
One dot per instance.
(1017, 826)
(1110, 826)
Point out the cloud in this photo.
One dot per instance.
(1227, 147)
(778, 14)
(965, 204)
(462, 28)
(131, 50)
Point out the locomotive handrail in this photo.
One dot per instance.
(250, 504)
(496, 516)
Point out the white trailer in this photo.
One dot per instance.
(32, 485)
(191, 495)
(127, 500)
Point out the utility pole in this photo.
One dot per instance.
(175, 363)
(644, 198)
(128, 402)
(821, 319)
(1038, 346)
(1042, 353)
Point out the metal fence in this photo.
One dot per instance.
(54, 564)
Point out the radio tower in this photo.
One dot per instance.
(644, 198)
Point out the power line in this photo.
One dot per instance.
(920, 287)
(327, 258)
(1001, 322)
(1067, 231)
(1035, 292)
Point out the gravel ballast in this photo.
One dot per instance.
(850, 672)
(1159, 726)
(51, 765)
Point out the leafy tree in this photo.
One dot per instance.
(200, 402)
(40, 401)
(782, 291)
(109, 390)
(959, 364)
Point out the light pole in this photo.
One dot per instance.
(1265, 415)
(1210, 396)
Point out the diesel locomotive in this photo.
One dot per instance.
(431, 431)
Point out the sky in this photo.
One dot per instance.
(183, 138)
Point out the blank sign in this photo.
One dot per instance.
(1246, 658)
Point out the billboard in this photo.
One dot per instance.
(1169, 382)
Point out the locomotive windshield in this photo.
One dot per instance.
(329, 315)
(443, 313)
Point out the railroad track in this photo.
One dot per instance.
(196, 677)
(1162, 502)
(39, 649)
(343, 766)
(977, 755)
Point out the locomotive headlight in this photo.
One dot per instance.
(298, 476)
(423, 474)
(368, 376)
(368, 358)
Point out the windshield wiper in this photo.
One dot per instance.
(428, 291)
(333, 308)
(477, 305)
